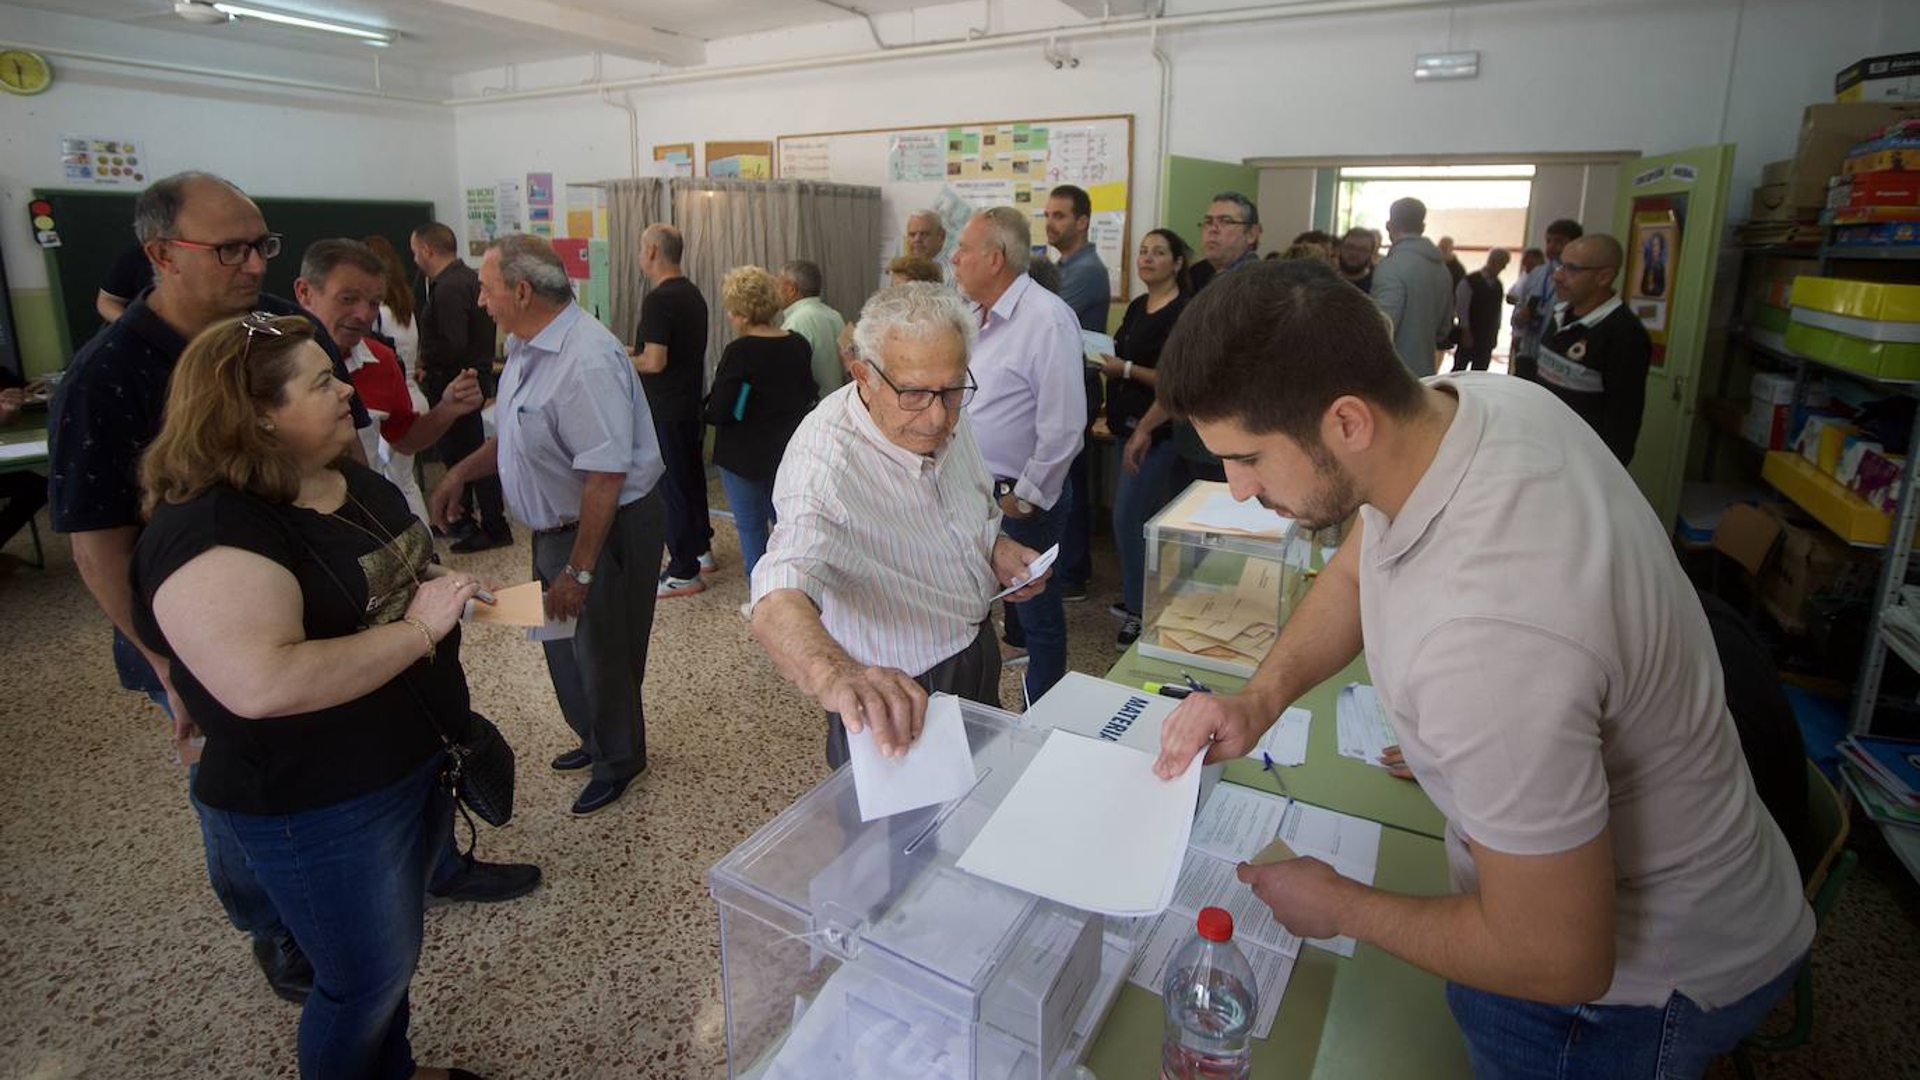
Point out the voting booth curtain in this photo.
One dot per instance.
(632, 205)
(729, 223)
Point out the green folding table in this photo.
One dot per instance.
(27, 429)
(1371, 1015)
(1327, 779)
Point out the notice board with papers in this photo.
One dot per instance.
(956, 169)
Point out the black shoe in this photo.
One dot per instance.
(600, 794)
(488, 883)
(1073, 592)
(287, 969)
(571, 760)
(459, 530)
(482, 540)
(1129, 633)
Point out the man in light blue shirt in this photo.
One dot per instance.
(810, 317)
(1084, 284)
(580, 463)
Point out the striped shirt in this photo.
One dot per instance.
(895, 548)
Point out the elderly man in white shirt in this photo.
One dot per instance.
(1030, 414)
(876, 584)
(579, 463)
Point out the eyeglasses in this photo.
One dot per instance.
(258, 323)
(1221, 222)
(953, 397)
(234, 252)
(1576, 268)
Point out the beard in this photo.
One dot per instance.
(1334, 498)
(1353, 269)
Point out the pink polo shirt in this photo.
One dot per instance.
(1550, 673)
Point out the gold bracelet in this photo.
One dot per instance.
(425, 632)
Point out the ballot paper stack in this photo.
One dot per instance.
(853, 946)
(1221, 578)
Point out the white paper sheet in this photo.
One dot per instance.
(1349, 844)
(1271, 970)
(936, 768)
(1034, 569)
(1096, 344)
(1237, 822)
(1222, 512)
(1286, 741)
(1090, 825)
(1365, 732)
(21, 451)
(1209, 882)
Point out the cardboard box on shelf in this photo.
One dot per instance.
(1828, 134)
(1811, 562)
(1770, 404)
(1879, 78)
(1770, 203)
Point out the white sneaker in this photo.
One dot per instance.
(673, 586)
(746, 610)
(707, 565)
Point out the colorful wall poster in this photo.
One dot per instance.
(111, 162)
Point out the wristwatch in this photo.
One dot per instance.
(583, 577)
(1004, 488)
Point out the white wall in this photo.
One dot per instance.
(269, 141)
(1556, 76)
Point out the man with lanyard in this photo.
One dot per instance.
(1622, 904)
(1595, 353)
(1534, 298)
(579, 462)
(209, 247)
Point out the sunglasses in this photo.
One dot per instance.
(258, 324)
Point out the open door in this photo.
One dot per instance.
(1669, 218)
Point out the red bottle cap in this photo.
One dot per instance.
(1216, 924)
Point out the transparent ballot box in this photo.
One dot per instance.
(1221, 579)
(856, 950)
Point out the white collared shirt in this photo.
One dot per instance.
(895, 548)
(570, 404)
(1030, 413)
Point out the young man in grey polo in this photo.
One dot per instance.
(1623, 905)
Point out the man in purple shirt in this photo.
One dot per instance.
(1030, 412)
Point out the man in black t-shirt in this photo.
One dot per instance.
(1594, 353)
(670, 353)
(129, 276)
(1477, 298)
(457, 334)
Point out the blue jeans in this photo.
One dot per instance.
(1511, 1039)
(1043, 619)
(350, 881)
(1140, 496)
(752, 504)
(1076, 556)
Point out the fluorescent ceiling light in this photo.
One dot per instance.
(239, 11)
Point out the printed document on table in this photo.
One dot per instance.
(1237, 822)
(1221, 511)
(1365, 732)
(938, 766)
(1209, 882)
(1090, 825)
(1034, 569)
(1271, 970)
(21, 451)
(1349, 844)
(1286, 741)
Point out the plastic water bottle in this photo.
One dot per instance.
(1211, 1003)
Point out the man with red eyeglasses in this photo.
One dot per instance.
(209, 247)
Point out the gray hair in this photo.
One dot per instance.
(1241, 203)
(930, 215)
(1011, 232)
(804, 275)
(914, 310)
(158, 208)
(323, 257)
(532, 260)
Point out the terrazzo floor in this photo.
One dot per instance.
(115, 961)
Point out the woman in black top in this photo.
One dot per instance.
(1149, 455)
(308, 636)
(761, 391)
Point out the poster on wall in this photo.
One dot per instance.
(586, 212)
(481, 220)
(507, 204)
(673, 159)
(806, 159)
(1653, 250)
(540, 204)
(111, 162)
(913, 157)
(743, 160)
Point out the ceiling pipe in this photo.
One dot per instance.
(1099, 28)
(196, 71)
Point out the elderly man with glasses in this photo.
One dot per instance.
(1594, 352)
(1229, 236)
(877, 583)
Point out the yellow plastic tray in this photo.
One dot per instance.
(1878, 300)
(1831, 503)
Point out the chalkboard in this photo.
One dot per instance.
(95, 227)
(9, 340)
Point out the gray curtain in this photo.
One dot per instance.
(730, 223)
(632, 205)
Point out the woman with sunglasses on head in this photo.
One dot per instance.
(314, 692)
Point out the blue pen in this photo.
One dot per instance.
(1194, 684)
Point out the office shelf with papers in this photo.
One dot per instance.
(1221, 579)
(858, 950)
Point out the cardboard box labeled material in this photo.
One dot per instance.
(1828, 134)
(1879, 78)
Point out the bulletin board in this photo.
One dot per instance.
(748, 160)
(956, 169)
